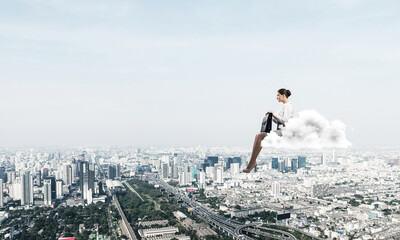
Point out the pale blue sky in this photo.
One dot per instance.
(194, 72)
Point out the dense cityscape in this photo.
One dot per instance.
(198, 193)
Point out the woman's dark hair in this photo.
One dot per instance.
(285, 92)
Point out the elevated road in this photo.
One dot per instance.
(125, 224)
(234, 229)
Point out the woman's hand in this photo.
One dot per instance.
(269, 112)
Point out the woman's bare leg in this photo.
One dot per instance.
(256, 149)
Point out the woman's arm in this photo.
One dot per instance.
(283, 115)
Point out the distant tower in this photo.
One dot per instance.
(3, 174)
(275, 163)
(26, 189)
(59, 189)
(84, 178)
(1, 192)
(202, 180)
(67, 174)
(53, 187)
(294, 164)
(334, 157)
(182, 178)
(281, 166)
(38, 178)
(276, 189)
(302, 162)
(323, 159)
(112, 172)
(45, 172)
(235, 168)
(47, 192)
(220, 174)
(117, 171)
(165, 170)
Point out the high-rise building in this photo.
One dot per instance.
(182, 178)
(202, 179)
(212, 160)
(189, 178)
(281, 166)
(67, 174)
(294, 164)
(53, 187)
(117, 171)
(59, 189)
(210, 172)
(1, 192)
(276, 189)
(233, 160)
(45, 172)
(235, 168)
(47, 199)
(302, 162)
(165, 170)
(38, 178)
(174, 171)
(3, 174)
(26, 189)
(11, 177)
(91, 176)
(84, 178)
(275, 163)
(220, 174)
(112, 172)
(334, 157)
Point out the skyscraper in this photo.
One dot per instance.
(84, 178)
(281, 166)
(182, 178)
(45, 172)
(1, 192)
(117, 171)
(235, 168)
(202, 180)
(47, 199)
(233, 160)
(165, 170)
(220, 174)
(276, 189)
(59, 189)
(38, 178)
(302, 161)
(53, 187)
(212, 160)
(174, 171)
(111, 172)
(26, 189)
(294, 164)
(3, 174)
(67, 174)
(275, 163)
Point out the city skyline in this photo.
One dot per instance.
(188, 73)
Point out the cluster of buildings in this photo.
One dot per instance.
(338, 193)
(46, 178)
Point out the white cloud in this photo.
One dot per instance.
(309, 130)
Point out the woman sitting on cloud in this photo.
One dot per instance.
(309, 130)
(280, 118)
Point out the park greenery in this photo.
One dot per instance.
(46, 223)
(157, 205)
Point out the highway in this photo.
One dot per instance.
(232, 228)
(125, 224)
